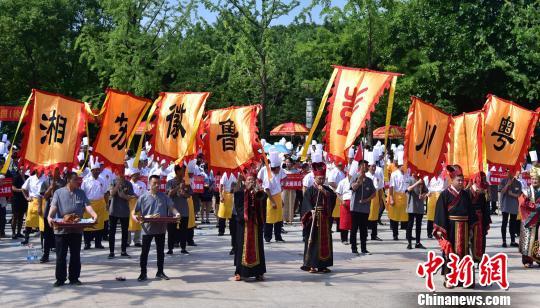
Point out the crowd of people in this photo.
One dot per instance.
(353, 195)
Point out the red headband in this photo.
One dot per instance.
(454, 170)
(319, 169)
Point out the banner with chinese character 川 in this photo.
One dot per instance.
(508, 132)
(54, 128)
(176, 125)
(230, 140)
(426, 138)
(466, 142)
(352, 98)
(122, 114)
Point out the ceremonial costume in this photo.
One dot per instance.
(483, 220)
(528, 240)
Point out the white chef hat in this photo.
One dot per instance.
(400, 147)
(162, 162)
(393, 147)
(353, 169)
(85, 140)
(4, 138)
(147, 146)
(282, 141)
(368, 156)
(400, 157)
(263, 142)
(288, 145)
(350, 154)
(275, 161)
(132, 171)
(2, 148)
(313, 142)
(534, 156)
(192, 166)
(80, 156)
(94, 164)
(317, 157)
(143, 156)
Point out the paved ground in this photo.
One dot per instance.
(203, 278)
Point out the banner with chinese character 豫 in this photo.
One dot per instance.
(122, 114)
(176, 124)
(230, 141)
(426, 138)
(353, 97)
(54, 128)
(466, 142)
(508, 132)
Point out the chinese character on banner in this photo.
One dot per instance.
(174, 120)
(429, 268)
(494, 270)
(120, 139)
(228, 135)
(504, 134)
(56, 128)
(460, 270)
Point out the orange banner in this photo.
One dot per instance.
(426, 138)
(176, 124)
(230, 142)
(54, 127)
(352, 99)
(122, 113)
(508, 132)
(466, 142)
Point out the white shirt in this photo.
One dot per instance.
(344, 189)
(94, 188)
(227, 181)
(308, 180)
(107, 176)
(274, 184)
(377, 178)
(399, 181)
(33, 185)
(335, 176)
(437, 184)
(139, 187)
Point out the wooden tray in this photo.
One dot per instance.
(59, 224)
(163, 220)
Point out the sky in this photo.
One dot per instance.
(283, 20)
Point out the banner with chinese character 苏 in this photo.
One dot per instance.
(122, 114)
(230, 142)
(353, 97)
(466, 142)
(54, 128)
(508, 132)
(426, 138)
(176, 125)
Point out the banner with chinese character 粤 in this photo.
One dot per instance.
(508, 132)
(352, 98)
(122, 114)
(176, 124)
(426, 138)
(230, 142)
(54, 126)
(466, 142)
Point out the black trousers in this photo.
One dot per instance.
(65, 242)
(513, 228)
(191, 236)
(394, 225)
(175, 234)
(3, 213)
(373, 227)
(493, 206)
(124, 225)
(359, 221)
(18, 211)
(48, 234)
(412, 218)
(276, 227)
(160, 246)
(232, 229)
(344, 234)
(430, 228)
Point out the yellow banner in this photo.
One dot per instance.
(123, 112)
(387, 123)
(426, 138)
(52, 136)
(466, 142)
(508, 132)
(230, 142)
(176, 124)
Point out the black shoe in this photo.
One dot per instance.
(184, 252)
(100, 247)
(87, 246)
(430, 236)
(170, 252)
(162, 276)
(420, 246)
(125, 254)
(365, 252)
(376, 238)
(504, 245)
(514, 244)
(280, 240)
(191, 244)
(220, 234)
(58, 283)
(105, 238)
(176, 245)
(267, 241)
(25, 242)
(396, 238)
(44, 259)
(14, 237)
(138, 245)
(409, 246)
(142, 277)
(75, 282)
(283, 231)
(111, 256)
(19, 235)
(231, 252)
(355, 251)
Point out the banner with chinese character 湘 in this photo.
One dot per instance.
(176, 124)
(426, 138)
(352, 98)
(466, 142)
(122, 114)
(54, 128)
(508, 132)
(230, 142)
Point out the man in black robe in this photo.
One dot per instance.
(316, 219)
(454, 218)
(477, 193)
(249, 202)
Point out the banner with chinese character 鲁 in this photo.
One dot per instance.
(508, 132)
(230, 140)
(466, 142)
(54, 127)
(426, 138)
(122, 114)
(176, 124)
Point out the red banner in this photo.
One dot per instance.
(198, 184)
(5, 188)
(496, 177)
(292, 181)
